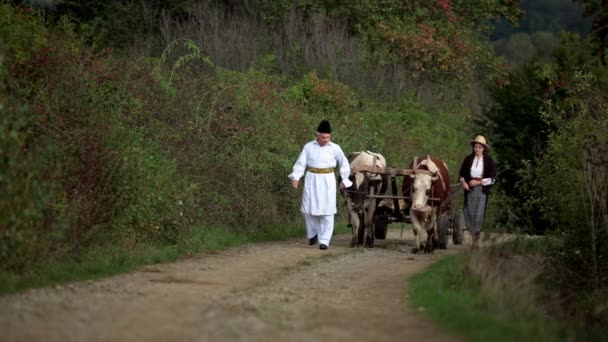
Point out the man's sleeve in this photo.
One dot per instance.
(300, 166)
(344, 168)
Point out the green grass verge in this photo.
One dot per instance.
(103, 262)
(459, 306)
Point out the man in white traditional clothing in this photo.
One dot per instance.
(318, 160)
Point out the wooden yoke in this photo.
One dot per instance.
(391, 171)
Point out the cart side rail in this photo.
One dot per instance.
(391, 171)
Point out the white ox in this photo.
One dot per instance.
(365, 183)
(429, 188)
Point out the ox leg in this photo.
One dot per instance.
(369, 220)
(417, 232)
(416, 249)
(361, 229)
(434, 235)
(369, 239)
(429, 241)
(434, 231)
(356, 222)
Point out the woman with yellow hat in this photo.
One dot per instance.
(477, 175)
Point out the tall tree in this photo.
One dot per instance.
(517, 128)
(598, 11)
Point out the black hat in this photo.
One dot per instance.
(324, 127)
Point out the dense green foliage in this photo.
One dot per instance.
(598, 12)
(103, 149)
(519, 134)
(433, 39)
(559, 168)
(386, 47)
(576, 155)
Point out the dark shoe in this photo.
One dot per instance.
(322, 246)
(312, 240)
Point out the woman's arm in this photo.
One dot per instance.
(464, 173)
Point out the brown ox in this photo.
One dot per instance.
(429, 186)
(365, 183)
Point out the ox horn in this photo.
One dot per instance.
(414, 166)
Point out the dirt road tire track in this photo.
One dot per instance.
(281, 291)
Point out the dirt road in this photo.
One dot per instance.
(280, 291)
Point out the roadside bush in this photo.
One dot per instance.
(572, 177)
(31, 199)
(75, 167)
(26, 190)
(324, 97)
(146, 197)
(503, 213)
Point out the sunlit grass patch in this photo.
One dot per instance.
(456, 300)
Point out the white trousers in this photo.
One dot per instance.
(322, 226)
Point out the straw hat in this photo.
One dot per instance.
(480, 139)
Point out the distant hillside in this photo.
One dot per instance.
(537, 33)
(546, 16)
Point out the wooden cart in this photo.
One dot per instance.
(394, 207)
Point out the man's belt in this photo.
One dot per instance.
(318, 170)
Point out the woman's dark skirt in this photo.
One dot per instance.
(474, 210)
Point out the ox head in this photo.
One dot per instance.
(422, 181)
(362, 180)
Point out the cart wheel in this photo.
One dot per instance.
(380, 228)
(442, 231)
(458, 229)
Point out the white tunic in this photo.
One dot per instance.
(319, 197)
